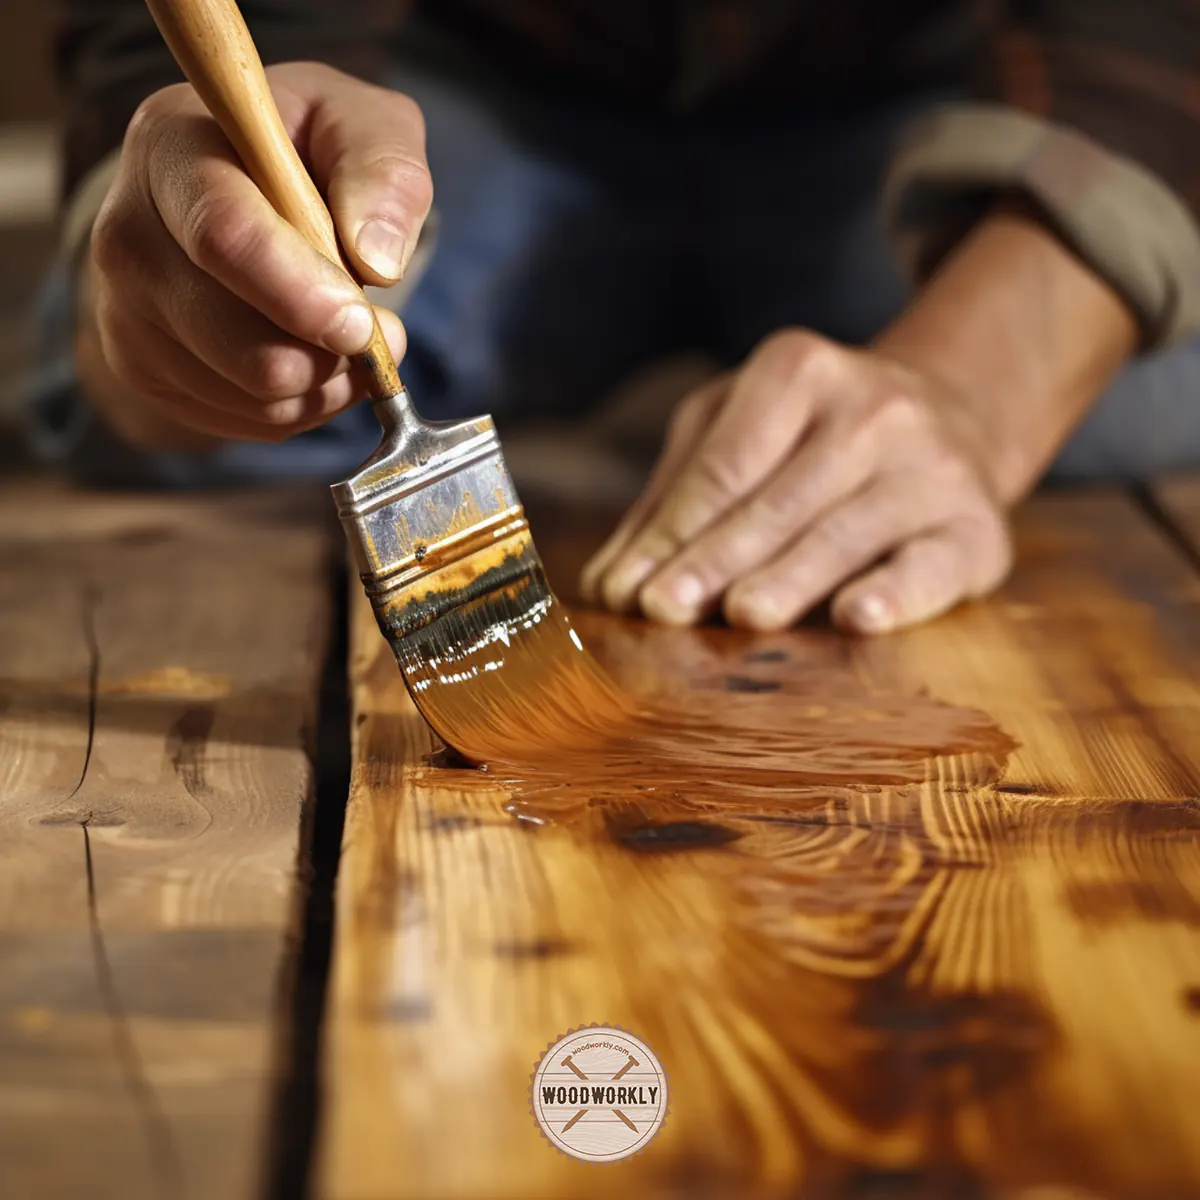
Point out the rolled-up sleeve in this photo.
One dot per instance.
(1091, 108)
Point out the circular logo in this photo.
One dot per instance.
(599, 1094)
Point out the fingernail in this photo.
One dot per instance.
(381, 245)
(351, 330)
(871, 614)
(674, 601)
(623, 583)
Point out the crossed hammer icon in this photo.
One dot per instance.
(633, 1062)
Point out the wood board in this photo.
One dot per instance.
(958, 956)
(159, 673)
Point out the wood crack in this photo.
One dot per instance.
(91, 601)
(165, 1166)
(164, 1159)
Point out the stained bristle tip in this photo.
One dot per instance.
(504, 670)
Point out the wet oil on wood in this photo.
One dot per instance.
(158, 679)
(915, 916)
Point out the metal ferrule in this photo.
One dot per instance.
(431, 493)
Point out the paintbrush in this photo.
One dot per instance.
(436, 529)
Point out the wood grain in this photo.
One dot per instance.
(158, 680)
(956, 952)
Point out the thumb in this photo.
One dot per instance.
(367, 148)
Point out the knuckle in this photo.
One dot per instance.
(771, 516)
(219, 231)
(858, 436)
(662, 541)
(720, 475)
(900, 412)
(801, 354)
(144, 123)
(407, 107)
(421, 192)
(153, 118)
(842, 533)
(148, 118)
(272, 373)
(791, 341)
(739, 548)
(112, 240)
(948, 459)
(304, 67)
(404, 177)
(948, 471)
(405, 110)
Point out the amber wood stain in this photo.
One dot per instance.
(524, 698)
(932, 934)
(903, 917)
(673, 769)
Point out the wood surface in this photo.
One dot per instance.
(158, 677)
(958, 954)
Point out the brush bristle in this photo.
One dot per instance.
(504, 670)
(409, 606)
(444, 553)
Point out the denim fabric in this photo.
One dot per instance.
(578, 243)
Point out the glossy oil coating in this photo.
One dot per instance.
(507, 681)
(915, 916)
(505, 676)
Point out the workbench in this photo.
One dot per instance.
(258, 938)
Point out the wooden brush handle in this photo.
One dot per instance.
(212, 45)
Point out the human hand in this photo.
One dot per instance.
(207, 311)
(813, 470)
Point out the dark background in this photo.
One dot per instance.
(28, 186)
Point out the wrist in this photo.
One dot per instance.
(1018, 337)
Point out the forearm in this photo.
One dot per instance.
(1022, 335)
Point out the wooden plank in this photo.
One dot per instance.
(953, 947)
(158, 679)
